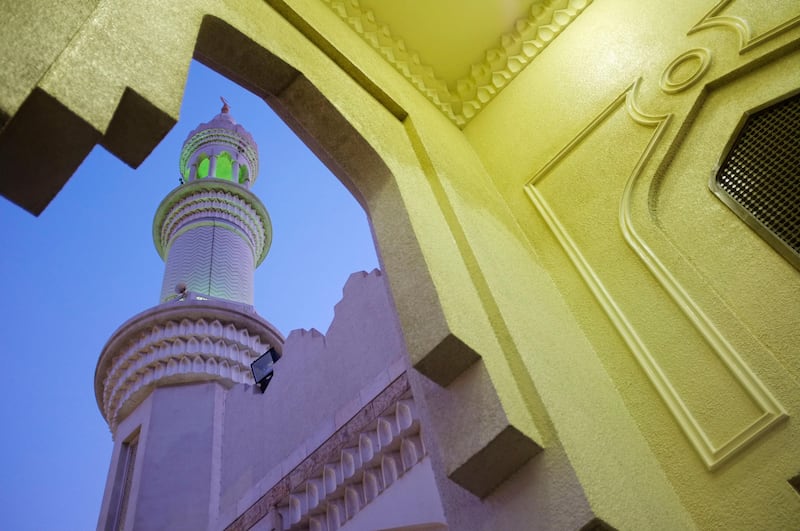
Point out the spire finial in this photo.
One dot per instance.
(225, 107)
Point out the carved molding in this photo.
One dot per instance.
(369, 465)
(216, 140)
(747, 40)
(229, 205)
(672, 82)
(178, 342)
(771, 411)
(487, 78)
(356, 464)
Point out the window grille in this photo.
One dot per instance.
(759, 177)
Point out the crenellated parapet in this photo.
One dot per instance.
(183, 341)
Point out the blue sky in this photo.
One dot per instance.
(88, 263)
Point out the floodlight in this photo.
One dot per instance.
(262, 368)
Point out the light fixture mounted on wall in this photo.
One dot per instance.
(263, 368)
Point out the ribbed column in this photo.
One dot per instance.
(212, 235)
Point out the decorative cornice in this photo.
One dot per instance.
(363, 458)
(179, 342)
(213, 199)
(487, 78)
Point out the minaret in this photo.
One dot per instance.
(162, 377)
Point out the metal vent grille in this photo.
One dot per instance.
(761, 174)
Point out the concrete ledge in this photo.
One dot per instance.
(481, 447)
(488, 468)
(41, 146)
(136, 128)
(447, 360)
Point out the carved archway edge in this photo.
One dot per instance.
(350, 157)
(137, 126)
(435, 350)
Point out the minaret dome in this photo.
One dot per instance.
(220, 149)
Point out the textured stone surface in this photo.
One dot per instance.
(628, 260)
(210, 260)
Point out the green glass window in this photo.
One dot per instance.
(202, 168)
(224, 168)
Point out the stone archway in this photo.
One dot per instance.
(132, 123)
(435, 350)
(353, 161)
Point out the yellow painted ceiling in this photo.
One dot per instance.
(458, 53)
(450, 35)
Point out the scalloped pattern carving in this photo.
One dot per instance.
(368, 465)
(462, 102)
(176, 352)
(340, 477)
(224, 206)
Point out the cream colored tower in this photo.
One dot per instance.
(161, 378)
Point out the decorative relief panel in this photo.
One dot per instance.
(719, 403)
(754, 22)
(640, 266)
(338, 479)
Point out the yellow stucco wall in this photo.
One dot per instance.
(693, 316)
(566, 236)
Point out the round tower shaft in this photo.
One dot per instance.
(211, 231)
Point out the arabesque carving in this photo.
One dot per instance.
(487, 78)
(712, 455)
(673, 83)
(718, 17)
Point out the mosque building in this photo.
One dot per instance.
(333, 441)
(588, 309)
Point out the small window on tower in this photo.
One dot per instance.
(759, 177)
(224, 168)
(123, 481)
(202, 168)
